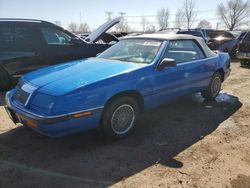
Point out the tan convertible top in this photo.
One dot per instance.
(172, 36)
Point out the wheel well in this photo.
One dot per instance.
(131, 93)
(221, 71)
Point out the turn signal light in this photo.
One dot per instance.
(82, 114)
(31, 123)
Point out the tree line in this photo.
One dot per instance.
(231, 15)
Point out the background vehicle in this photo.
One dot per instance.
(220, 40)
(232, 45)
(243, 50)
(110, 91)
(193, 32)
(26, 45)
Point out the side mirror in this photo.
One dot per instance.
(166, 63)
(75, 41)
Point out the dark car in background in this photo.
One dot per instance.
(216, 40)
(243, 50)
(193, 32)
(221, 40)
(27, 45)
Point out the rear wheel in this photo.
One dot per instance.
(5, 80)
(244, 62)
(119, 117)
(214, 87)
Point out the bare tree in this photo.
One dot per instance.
(122, 26)
(217, 26)
(163, 16)
(75, 28)
(150, 29)
(179, 21)
(204, 24)
(144, 23)
(83, 28)
(234, 13)
(189, 12)
(72, 27)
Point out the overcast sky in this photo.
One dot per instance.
(93, 11)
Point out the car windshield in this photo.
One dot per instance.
(133, 50)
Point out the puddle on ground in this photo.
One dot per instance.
(225, 97)
(221, 99)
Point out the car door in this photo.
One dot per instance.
(21, 54)
(59, 47)
(190, 74)
(62, 46)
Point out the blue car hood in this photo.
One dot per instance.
(64, 78)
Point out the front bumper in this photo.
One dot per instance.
(53, 126)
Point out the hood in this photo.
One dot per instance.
(95, 35)
(64, 78)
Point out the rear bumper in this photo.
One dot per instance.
(53, 126)
(241, 55)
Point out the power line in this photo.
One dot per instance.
(155, 22)
(173, 14)
(201, 11)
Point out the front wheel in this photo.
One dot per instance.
(119, 117)
(214, 87)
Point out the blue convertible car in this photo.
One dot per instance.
(113, 89)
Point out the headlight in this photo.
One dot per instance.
(43, 101)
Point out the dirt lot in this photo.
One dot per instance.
(186, 143)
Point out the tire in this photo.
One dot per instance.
(5, 80)
(114, 124)
(214, 87)
(243, 63)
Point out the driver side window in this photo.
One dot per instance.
(55, 36)
(183, 51)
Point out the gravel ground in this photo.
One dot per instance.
(185, 143)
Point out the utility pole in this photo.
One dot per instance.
(122, 14)
(109, 15)
(80, 18)
(217, 25)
